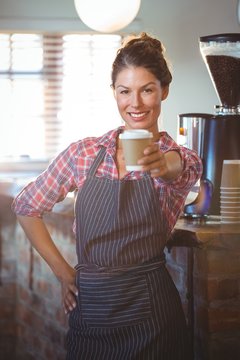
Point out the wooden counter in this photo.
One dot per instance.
(212, 283)
(210, 225)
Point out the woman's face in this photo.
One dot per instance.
(139, 94)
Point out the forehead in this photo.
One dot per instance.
(135, 76)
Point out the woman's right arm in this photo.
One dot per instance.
(38, 234)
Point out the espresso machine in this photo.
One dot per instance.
(215, 137)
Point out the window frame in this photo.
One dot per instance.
(24, 164)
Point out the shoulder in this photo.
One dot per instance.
(89, 146)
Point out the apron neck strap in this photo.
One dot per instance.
(97, 161)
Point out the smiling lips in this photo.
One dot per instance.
(137, 115)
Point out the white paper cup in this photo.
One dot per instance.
(134, 142)
(232, 212)
(230, 190)
(230, 197)
(229, 202)
(230, 209)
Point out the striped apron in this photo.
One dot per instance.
(128, 306)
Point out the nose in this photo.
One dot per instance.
(136, 99)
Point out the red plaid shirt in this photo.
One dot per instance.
(69, 169)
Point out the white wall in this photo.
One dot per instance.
(177, 23)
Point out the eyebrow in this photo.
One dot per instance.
(125, 87)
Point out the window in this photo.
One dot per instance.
(54, 89)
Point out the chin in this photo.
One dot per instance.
(137, 125)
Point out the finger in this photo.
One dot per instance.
(156, 166)
(150, 149)
(69, 302)
(159, 171)
(73, 289)
(69, 294)
(156, 173)
(153, 161)
(149, 159)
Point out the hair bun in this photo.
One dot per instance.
(145, 51)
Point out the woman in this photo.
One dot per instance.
(121, 301)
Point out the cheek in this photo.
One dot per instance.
(156, 104)
(121, 103)
(156, 107)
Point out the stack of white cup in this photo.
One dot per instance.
(230, 192)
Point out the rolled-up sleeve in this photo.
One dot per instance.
(192, 170)
(50, 187)
(173, 193)
(191, 164)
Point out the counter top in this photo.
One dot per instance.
(204, 229)
(209, 233)
(211, 224)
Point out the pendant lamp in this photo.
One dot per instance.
(107, 15)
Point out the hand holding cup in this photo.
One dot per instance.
(134, 142)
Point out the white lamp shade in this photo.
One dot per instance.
(107, 15)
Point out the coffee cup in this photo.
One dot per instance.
(230, 174)
(134, 142)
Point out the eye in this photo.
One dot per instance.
(124, 92)
(148, 90)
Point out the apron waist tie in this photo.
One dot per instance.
(123, 269)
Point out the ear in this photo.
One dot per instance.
(113, 90)
(165, 91)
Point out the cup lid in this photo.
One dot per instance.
(136, 134)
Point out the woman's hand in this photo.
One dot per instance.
(164, 165)
(69, 291)
(154, 161)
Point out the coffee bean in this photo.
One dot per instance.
(225, 72)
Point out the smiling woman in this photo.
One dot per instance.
(120, 300)
(51, 86)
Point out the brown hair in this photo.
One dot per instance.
(142, 51)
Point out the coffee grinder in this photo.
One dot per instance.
(221, 131)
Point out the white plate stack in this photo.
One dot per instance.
(230, 192)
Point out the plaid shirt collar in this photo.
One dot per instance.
(109, 139)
